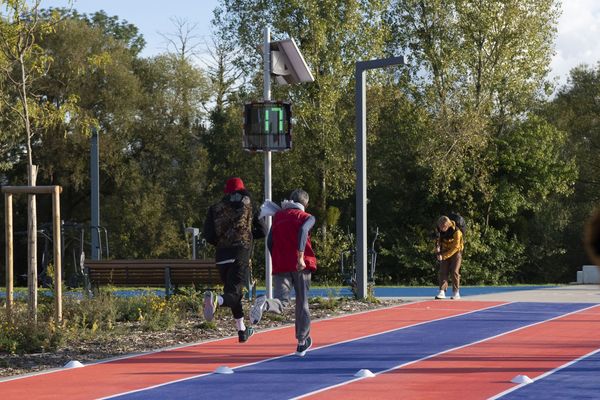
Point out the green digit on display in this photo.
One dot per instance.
(279, 112)
(267, 120)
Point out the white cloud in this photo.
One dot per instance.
(577, 39)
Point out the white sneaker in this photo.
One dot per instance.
(441, 295)
(210, 305)
(257, 309)
(456, 296)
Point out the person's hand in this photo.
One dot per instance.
(300, 264)
(439, 257)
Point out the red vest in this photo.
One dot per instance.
(284, 233)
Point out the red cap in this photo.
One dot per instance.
(233, 185)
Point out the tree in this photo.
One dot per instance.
(166, 155)
(150, 116)
(225, 77)
(476, 66)
(476, 71)
(21, 26)
(9, 135)
(575, 110)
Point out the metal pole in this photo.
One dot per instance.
(361, 179)
(361, 166)
(194, 245)
(267, 97)
(95, 195)
(195, 233)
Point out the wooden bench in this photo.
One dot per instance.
(167, 273)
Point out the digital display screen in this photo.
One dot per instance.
(267, 126)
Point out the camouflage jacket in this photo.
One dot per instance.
(229, 222)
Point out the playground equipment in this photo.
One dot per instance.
(348, 264)
(73, 242)
(197, 242)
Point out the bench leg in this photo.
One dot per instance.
(87, 286)
(168, 288)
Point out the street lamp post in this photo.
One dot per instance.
(361, 166)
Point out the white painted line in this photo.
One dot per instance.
(445, 351)
(290, 354)
(499, 395)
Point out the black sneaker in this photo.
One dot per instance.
(245, 335)
(302, 348)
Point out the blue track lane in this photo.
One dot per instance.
(580, 380)
(292, 376)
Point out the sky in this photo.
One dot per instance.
(576, 43)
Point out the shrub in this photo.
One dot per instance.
(26, 336)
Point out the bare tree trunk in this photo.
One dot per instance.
(31, 203)
(32, 246)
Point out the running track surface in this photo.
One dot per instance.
(424, 350)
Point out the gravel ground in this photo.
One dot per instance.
(130, 338)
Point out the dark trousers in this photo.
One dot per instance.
(233, 275)
(450, 266)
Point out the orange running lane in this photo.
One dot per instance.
(484, 369)
(114, 377)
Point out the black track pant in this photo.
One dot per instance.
(233, 276)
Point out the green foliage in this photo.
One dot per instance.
(328, 246)
(25, 336)
(188, 300)
(91, 314)
(492, 257)
(102, 314)
(104, 310)
(332, 35)
(575, 110)
(329, 303)
(462, 127)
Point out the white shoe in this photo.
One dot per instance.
(210, 305)
(456, 296)
(257, 309)
(441, 295)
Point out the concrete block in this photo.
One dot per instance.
(579, 276)
(591, 274)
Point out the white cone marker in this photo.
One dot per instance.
(223, 370)
(521, 379)
(73, 364)
(364, 373)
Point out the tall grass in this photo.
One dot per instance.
(87, 317)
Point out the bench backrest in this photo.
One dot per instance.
(152, 272)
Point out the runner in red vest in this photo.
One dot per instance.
(293, 263)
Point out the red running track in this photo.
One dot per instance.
(484, 369)
(138, 372)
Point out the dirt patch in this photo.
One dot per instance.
(129, 338)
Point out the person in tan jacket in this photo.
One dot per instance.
(449, 249)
